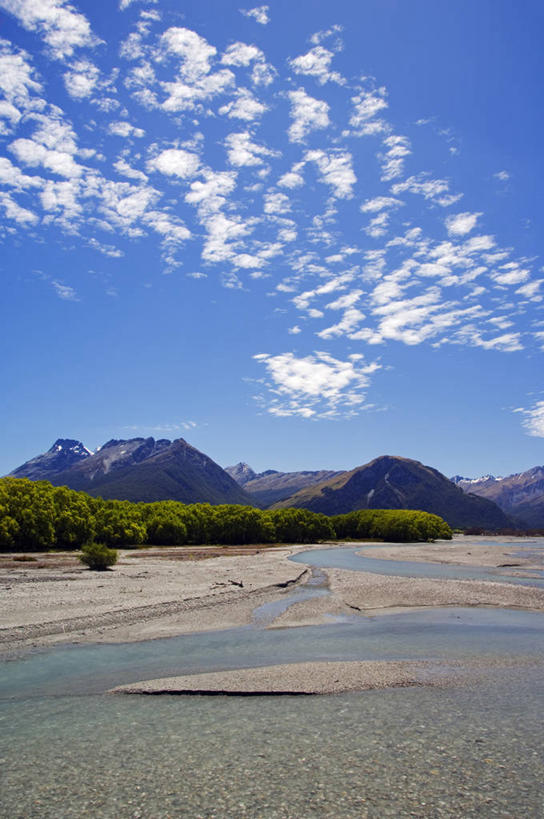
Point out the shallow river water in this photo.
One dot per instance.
(69, 749)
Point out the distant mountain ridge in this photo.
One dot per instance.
(520, 495)
(271, 486)
(391, 482)
(145, 469)
(139, 469)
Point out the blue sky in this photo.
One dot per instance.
(300, 235)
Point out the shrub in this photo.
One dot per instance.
(97, 556)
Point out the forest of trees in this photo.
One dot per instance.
(36, 516)
(391, 525)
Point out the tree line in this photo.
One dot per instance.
(37, 516)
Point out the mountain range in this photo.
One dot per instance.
(398, 483)
(145, 469)
(520, 496)
(272, 486)
(140, 469)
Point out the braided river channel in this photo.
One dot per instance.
(69, 749)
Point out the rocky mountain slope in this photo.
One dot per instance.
(390, 482)
(64, 454)
(272, 486)
(520, 495)
(140, 469)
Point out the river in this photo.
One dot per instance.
(69, 749)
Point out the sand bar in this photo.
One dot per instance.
(508, 555)
(331, 677)
(292, 678)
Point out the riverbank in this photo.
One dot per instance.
(149, 593)
(155, 593)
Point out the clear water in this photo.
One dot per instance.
(347, 558)
(444, 633)
(67, 749)
(396, 753)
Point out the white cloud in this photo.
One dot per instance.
(247, 261)
(506, 343)
(366, 105)
(398, 147)
(125, 129)
(302, 301)
(276, 203)
(259, 14)
(377, 226)
(316, 385)
(461, 223)
(242, 151)
(539, 336)
(336, 170)
(106, 250)
(12, 175)
(61, 200)
(250, 219)
(316, 63)
(175, 162)
(531, 290)
(293, 178)
(263, 74)
(350, 320)
(122, 167)
(195, 83)
(172, 232)
(65, 292)
(307, 113)
(16, 213)
(34, 154)
(81, 80)
(18, 86)
(380, 203)
(512, 275)
(124, 4)
(533, 421)
(244, 106)
(416, 320)
(437, 190)
(211, 194)
(241, 54)
(288, 234)
(184, 96)
(194, 51)
(224, 234)
(61, 26)
(345, 301)
(134, 205)
(167, 227)
(320, 36)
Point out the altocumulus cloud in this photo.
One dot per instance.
(533, 419)
(316, 385)
(295, 173)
